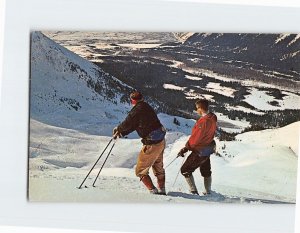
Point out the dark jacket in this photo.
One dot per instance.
(144, 120)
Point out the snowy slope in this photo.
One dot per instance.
(261, 100)
(69, 91)
(264, 161)
(251, 169)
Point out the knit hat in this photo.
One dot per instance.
(136, 96)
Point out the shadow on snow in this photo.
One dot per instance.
(218, 197)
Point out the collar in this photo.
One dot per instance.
(204, 114)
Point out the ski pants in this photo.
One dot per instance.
(151, 156)
(195, 161)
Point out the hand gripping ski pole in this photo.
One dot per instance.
(95, 163)
(179, 155)
(104, 163)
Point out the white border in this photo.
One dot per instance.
(120, 15)
(2, 20)
(280, 3)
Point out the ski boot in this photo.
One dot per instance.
(191, 182)
(149, 185)
(207, 185)
(161, 185)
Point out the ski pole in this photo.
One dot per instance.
(172, 161)
(104, 163)
(95, 163)
(178, 173)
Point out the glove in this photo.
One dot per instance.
(115, 130)
(116, 133)
(182, 151)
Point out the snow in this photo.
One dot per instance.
(243, 109)
(295, 53)
(231, 126)
(182, 37)
(268, 157)
(173, 87)
(291, 100)
(194, 59)
(275, 73)
(297, 37)
(261, 168)
(260, 99)
(210, 74)
(54, 84)
(192, 77)
(89, 53)
(245, 82)
(281, 37)
(217, 88)
(139, 46)
(103, 46)
(194, 95)
(258, 167)
(286, 56)
(206, 34)
(286, 137)
(176, 64)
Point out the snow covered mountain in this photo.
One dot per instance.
(183, 36)
(69, 91)
(276, 51)
(248, 78)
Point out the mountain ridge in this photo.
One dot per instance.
(65, 85)
(274, 50)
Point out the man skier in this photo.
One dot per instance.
(202, 145)
(144, 120)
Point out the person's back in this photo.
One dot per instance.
(203, 132)
(202, 145)
(143, 119)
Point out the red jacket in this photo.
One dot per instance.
(203, 132)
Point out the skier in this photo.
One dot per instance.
(202, 145)
(144, 120)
